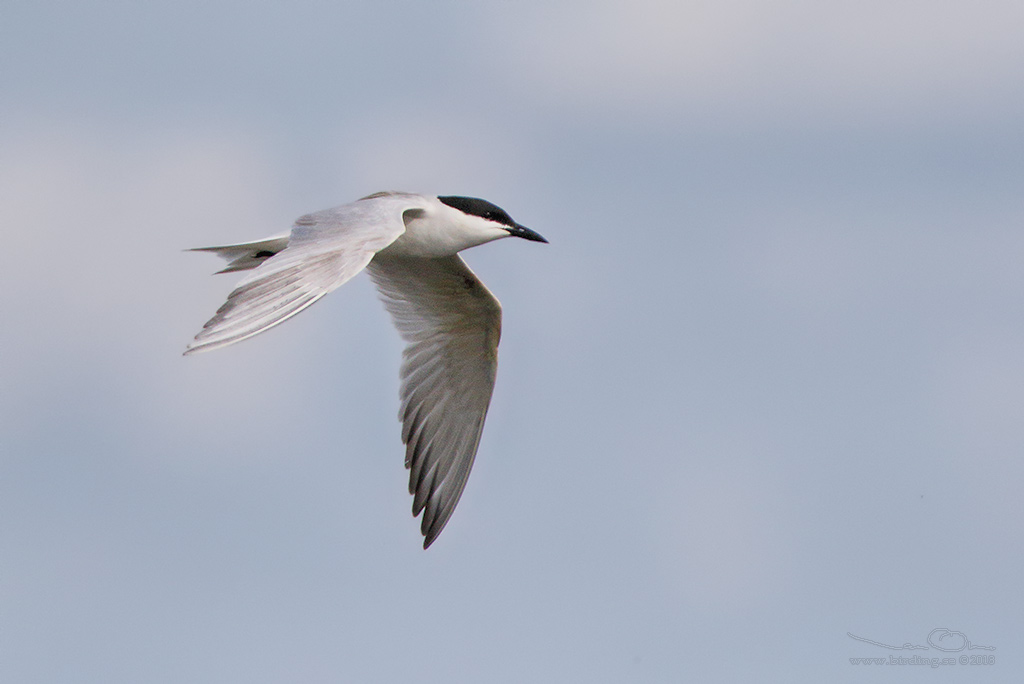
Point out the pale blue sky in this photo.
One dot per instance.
(763, 388)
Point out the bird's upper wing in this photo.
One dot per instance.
(324, 250)
(452, 324)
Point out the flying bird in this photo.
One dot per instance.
(449, 320)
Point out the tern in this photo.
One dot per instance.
(449, 320)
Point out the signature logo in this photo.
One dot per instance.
(940, 638)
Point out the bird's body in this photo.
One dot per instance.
(450, 321)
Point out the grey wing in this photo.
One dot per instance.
(323, 251)
(452, 324)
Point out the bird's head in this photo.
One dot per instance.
(489, 216)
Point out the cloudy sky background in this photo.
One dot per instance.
(763, 389)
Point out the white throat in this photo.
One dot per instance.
(439, 230)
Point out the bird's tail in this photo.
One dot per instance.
(247, 255)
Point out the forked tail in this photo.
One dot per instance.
(247, 255)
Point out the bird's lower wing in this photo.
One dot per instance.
(452, 324)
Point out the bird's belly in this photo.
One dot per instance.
(411, 245)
